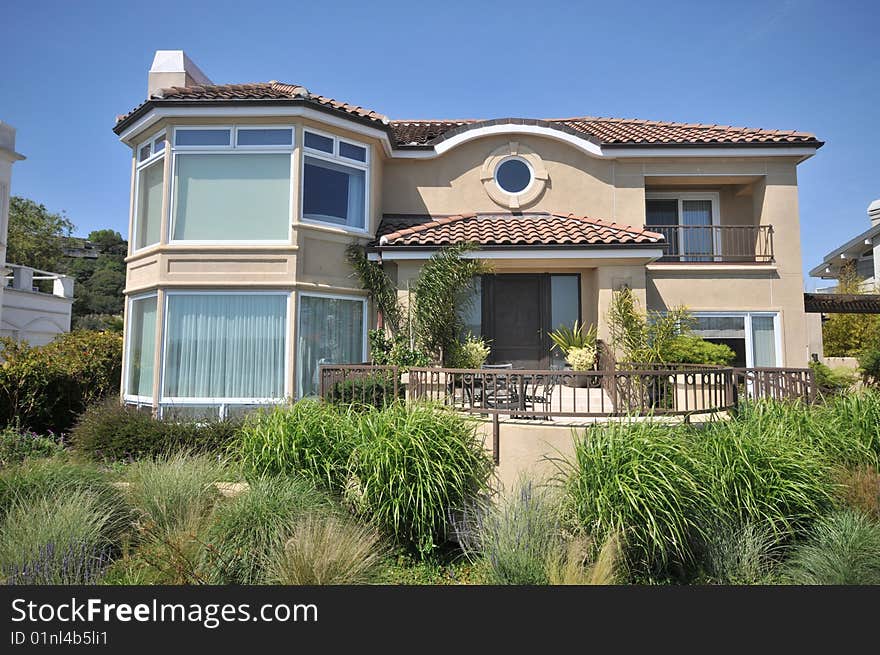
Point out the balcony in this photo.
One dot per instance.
(716, 243)
(28, 311)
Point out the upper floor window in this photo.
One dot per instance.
(148, 191)
(688, 221)
(232, 184)
(334, 187)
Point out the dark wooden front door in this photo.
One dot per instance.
(516, 318)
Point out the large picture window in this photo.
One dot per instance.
(331, 331)
(334, 181)
(232, 184)
(141, 348)
(753, 336)
(225, 346)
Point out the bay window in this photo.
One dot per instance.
(140, 348)
(332, 330)
(334, 186)
(150, 176)
(232, 184)
(224, 347)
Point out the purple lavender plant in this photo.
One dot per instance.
(76, 563)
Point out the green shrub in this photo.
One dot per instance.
(869, 359)
(843, 549)
(375, 389)
(326, 550)
(515, 536)
(308, 438)
(395, 351)
(847, 428)
(740, 554)
(62, 538)
(412, 464)
(112, 431)
(564, 338)
(247, 530)
(19, 445)
(637, 480)
(470, 353)
(44, 388)
(688, 349)
(834, 380)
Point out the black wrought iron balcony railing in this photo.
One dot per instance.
(716, 243)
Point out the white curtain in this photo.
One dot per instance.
(331, 331)
(697, 237)
(763, 341)
(141, 347)
(225, 346)
(355, 216)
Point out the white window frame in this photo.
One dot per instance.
(127, 397)
(713, 196)
(747, 326)
(336, 296)
(336, 158)
(140, 166)
(170, 401)
(226, 150)
(514, 158)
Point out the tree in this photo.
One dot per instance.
(846, 335)
(645, 337)
(36, 235)
(109, 242)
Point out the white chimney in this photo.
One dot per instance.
(174, 68)
(874, 212)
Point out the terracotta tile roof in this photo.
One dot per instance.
(609, 131)
(273, 90)
(613, 132)
(527, 229)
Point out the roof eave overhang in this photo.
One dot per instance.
(647, 251)
(848, 252)
(155, 109)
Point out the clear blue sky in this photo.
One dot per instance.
(71, 67)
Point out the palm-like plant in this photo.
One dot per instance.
(565, 338)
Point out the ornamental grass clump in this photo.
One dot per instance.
(413, 464)
(246, 530)
(308, 438)
(842, 549)
(326, 550)
(759, 477)
(637, 480)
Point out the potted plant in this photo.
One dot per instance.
(578, 345)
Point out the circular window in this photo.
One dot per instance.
(513, 175)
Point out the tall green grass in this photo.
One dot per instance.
(308, 438)
(247, 530)
(413, 464)
(639, 480)
(843, 549)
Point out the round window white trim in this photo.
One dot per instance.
(529, 167)
(529, 195)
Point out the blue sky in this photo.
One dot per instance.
(813, 66)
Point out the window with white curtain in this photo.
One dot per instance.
(225, 346)
(331, 331)
(141, 348)
(334, 187)
(753, 336)
(232, 184)
(150, 176)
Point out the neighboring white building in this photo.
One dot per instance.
(862, 250)
(26, 314)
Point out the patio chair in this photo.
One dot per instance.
(499, 391)
(539, 395)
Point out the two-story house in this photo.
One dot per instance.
(245, 197)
